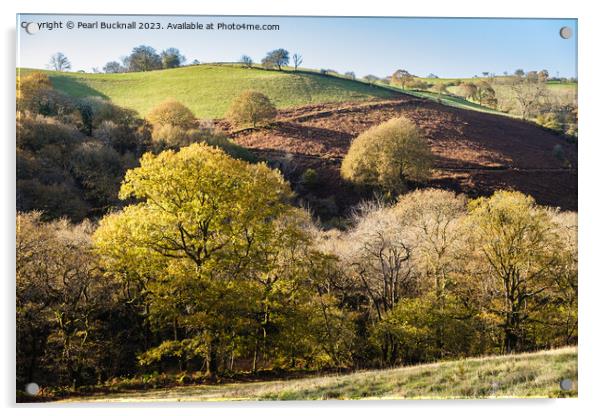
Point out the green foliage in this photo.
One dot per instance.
(423, 330)
(251, 108)
(388, 155)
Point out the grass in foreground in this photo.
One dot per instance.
(525, 375)
(209, 89)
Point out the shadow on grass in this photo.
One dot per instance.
(73, 86)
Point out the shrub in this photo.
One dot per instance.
(309, 178)
(35, 94)
(36, 131)
(99, 170)
(57, 199)
(174, 113)
(550, 120)
(30, 88)
(251, 107)
(169, 135)
(119, 137)
(558, 152)
(467, 90)
(388, 155)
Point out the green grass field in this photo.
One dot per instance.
(525, 375)
(208, 89)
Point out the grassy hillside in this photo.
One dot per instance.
(208, 89)
(525, 375)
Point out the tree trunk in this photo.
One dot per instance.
(211, 358)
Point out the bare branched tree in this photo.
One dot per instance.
(59, 62)
(297, 60)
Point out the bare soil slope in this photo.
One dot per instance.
(476, 153)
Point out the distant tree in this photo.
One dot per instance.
(543, 75)
(143, 58)
(246, 61)
(440, 88)
(278, 58)
(485, 73)
(532, 76)
(529, 93)
(297, 60)
(113, 67)
(431, 75)
(402, 78)
(266, 63)
(468, 90)
(417, 84)
(485, 94)
(195, 62)
(519, 73)
(172, 58)
(251, 107)
(387, 155)
(371, 78)
(350, 74)
(59, 62)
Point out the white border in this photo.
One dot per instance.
(590, 143)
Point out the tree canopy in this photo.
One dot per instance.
(387, 155)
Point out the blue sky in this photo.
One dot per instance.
(379, 46)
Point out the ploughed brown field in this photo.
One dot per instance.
(476, 153)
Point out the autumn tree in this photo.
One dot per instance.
(217, 250)
(441, 88)
(173, 123)
(529, 93)
(402, 78)
(485, 94)
(520, 255)
(251, 107)
(387, 156)
(467, 90)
